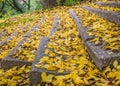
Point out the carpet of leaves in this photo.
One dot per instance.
(65, 50)
(106, 33)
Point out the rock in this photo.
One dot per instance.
(109, 3)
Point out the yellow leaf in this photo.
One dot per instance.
(37, 65)
(49, 78)
(50, 67)
(71, 84)
(59, 80)
(86, 81)
(111, 75)
(23, 67)
(115, 64)
(16, 78)
(76, 78)
(107, 70)
(61, 83)
(118, 67)
(60, 70)
(79, 81)
(118, 76)
(43, 76)
(117, 83)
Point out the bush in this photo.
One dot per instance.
(67, 2)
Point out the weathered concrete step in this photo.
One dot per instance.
(54, 25)
(8, 61)
(108, 15)
(12, 35)
(83, 32)
(109, 3)
(102, 58)
(35, 73)
(2, 34)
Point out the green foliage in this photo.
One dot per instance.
(2, 0)
(35, 5)
(67, 2)
(71, 2)
(58, 2)
(14, 7)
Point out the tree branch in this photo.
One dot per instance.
(3, 5)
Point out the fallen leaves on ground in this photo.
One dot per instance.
(105, 32)
(15, 76)
(65, 50)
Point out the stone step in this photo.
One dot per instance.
(54, 25)
(2, 34)
(12, 35)
(108, 15)
(109, 3)
(83, 32)
(35, 73)
(102, 58)
(8, 61)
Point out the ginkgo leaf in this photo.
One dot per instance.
(111, 75)
(118, 76)
(117, 83)
(60, 70)
(49, 78)
(43, 76)
(65, 50)
(115, 64)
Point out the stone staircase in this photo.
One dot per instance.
(101, 57)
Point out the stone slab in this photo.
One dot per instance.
(12, 35)
(8, 61)
(3, 33)
(83, 32)
(108, 15)
(35, 73)
(109, 3)
(102, 58)
(54, 24)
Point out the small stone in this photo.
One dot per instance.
(98, 43)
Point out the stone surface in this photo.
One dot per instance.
(109, 3)
(54, 24)
(102, 58)
(81, 29)
(108, 15)
(35, 73)
(25, 37)
(12, 35)
(9, 62)
(2, 34)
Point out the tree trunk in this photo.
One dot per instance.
(48, 3)
(14, 5)
(3, 5)
(28, 4)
